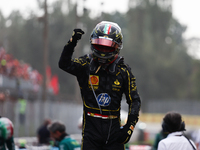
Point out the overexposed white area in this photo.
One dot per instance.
(186, 11)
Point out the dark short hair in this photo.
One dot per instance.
(57, 126)
(172, 122)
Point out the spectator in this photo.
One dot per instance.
(3, 66)
(65, 142)
(22, 109)
(176, 140)
(6, 134)
(43, 133)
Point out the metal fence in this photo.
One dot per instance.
(70, 113)
(188, 107)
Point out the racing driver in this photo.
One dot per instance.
(103, 78)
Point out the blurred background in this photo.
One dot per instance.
(161, 44)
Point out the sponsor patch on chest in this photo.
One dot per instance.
(104, 99)
(93, 82)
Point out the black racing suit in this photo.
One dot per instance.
(101, 123)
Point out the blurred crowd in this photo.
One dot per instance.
(11, 67)
(52, 135)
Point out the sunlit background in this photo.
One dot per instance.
(161, 45)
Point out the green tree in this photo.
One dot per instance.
(156, 52)
(153, 46)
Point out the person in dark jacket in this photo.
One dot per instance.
(103, 78)
(6, 134)
(43, 133)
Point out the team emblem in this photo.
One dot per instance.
(116, 82)
(103, 99)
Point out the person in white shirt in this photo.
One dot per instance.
(176, 140)
(196, 138)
